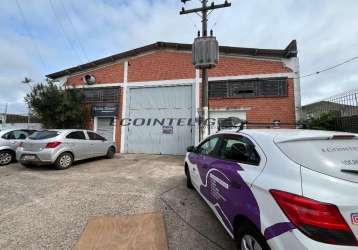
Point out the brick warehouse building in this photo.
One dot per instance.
(158, 81)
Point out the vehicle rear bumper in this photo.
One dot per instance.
(38, 158)
(295, 240)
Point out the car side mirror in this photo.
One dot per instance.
(190, 149)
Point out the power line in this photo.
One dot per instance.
(330, 68)
(322, 70)
(190, 19)
(64, 31)
(74, 30)
(29, 34)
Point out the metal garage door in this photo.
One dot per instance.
(159, 103)
(105, 127)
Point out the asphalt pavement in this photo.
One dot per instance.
(43, 208)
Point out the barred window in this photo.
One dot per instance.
(248, 88)
(101, 95)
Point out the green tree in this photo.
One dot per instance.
(56, 107)
(326, 121)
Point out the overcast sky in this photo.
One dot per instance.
(69, 33)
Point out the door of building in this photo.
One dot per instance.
(105, 127)
(149, 103)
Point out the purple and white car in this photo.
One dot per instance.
(280, 188)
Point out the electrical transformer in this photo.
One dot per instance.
(205, 52)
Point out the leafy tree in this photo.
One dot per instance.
(326, 121)
(56, 107)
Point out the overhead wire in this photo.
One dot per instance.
(75, 31)
(111, 72)
(29, 34)
(330, 67)
(320, 71)
(191, 19)
(67, 38)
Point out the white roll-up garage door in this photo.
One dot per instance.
(149, 103)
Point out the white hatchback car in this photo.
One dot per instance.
(280, 188)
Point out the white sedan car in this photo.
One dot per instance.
(280, 188)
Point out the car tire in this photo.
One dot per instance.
(249, 238)
(64, 161)
(189, 184)
(6, 157)
(110, 153)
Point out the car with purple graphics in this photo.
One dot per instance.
(280, 188)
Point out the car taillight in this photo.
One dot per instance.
(320, 221)
(53, 144)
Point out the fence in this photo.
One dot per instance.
(344, 106)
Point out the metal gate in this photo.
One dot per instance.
(105, 127)
(148, 108)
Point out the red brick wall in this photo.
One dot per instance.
(231, 66)
(171, 65)
(263, 109)
(108, 74)
(161, 65)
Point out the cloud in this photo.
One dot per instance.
(325, 31)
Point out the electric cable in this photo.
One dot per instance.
(64, 31)
(75, 31)
(29, 34)
(330, 68)
(191, 19)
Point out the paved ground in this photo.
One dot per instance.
(41, 208)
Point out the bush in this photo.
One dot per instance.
(56, 107)
(326, 121)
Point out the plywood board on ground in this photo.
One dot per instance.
(142, 231)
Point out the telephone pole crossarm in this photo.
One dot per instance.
(210, 7)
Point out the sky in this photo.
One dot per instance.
(38, 37)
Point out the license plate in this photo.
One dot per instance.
(28, 157)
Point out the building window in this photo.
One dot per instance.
(249, 88)
(101, 95)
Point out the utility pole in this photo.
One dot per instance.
(204, 72)
(5, 114)
(28, 81)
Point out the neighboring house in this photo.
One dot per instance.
(159, 81)
(343, 105)
(314, 110)
(15, 121)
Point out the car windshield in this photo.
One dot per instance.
(335, 157)
(45, 134)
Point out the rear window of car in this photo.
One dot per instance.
(45, 134)
(334, 157)
(95, 137)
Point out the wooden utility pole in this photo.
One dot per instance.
(204, 72)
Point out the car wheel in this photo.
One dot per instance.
(110, 153)
(64, 161)
(6, 157)
(189, 184)
(249, 238)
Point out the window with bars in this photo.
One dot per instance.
(248, 88)
(101, 95)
